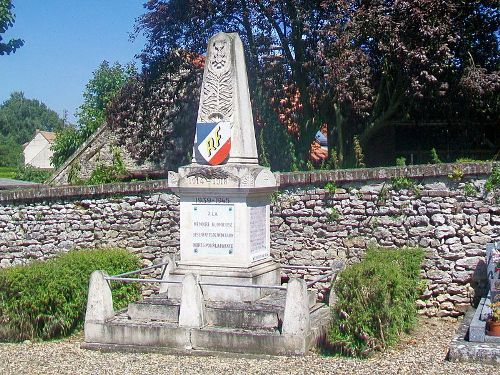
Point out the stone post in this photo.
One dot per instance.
(191, 312)
(296, 320)
(100, 300)
(166, 274)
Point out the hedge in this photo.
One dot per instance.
(47, 299)
(376, 301)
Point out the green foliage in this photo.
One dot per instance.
(358, 153)
(331, 187)
(104, 174)
(493, 181)
(48, 299)
(67, 141)
(457, 174)
(435, 157)
(467, 160)
(33, 174)
(105, 83)
(401, 161)
(469, 189)
(73, 174)
(334, 214)
(275, 196)
(21, 117)
(11, 153)
(399, 183)
(8, 172)
(376, 300)
(382, 196)
(7, 20)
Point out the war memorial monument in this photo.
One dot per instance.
(225, 292)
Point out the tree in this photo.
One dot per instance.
(11, 153)
(348, 66)
(154, 114)
(6, 21)
(106, 81)
(20, 117)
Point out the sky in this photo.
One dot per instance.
(64, 42)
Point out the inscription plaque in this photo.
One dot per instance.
(258, 249)
(213, 229)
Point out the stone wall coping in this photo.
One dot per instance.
(62, 192)
(383, 173)
(286, 179)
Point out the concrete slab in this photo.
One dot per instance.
(477, 328)
(241, 315)
(463, 350)
(155, 309)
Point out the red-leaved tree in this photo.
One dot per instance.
(350, 67)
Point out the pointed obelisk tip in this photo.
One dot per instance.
(224, 129)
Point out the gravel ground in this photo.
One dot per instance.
(423, 352)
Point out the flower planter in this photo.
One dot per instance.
(492, 328)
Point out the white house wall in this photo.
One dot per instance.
(38, 153)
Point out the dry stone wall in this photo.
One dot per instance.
(311, 223)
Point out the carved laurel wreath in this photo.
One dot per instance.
(217, 90)
(208, 173)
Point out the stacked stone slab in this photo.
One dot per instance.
(224, 294)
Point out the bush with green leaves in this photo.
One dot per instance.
(33, 174)
(493, 180)
(47, 299)
(400, 183)
(376, 301)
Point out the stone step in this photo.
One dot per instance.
(278, 299)
(155, 308)
(241, 315)
(265, 313)
(124, 333)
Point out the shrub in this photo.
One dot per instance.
(399, 183)
(47, 299)
(376, 301)
(33, 174)
(493, 181)
(435, 157)
(401, 161)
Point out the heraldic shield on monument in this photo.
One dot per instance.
(213, 142)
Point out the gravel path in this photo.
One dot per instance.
(421, 353)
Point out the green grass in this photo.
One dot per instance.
(7, 172)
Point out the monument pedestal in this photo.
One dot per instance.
(264, 272)
(224, 225)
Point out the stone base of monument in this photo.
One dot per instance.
(265, 272)
(283, 322)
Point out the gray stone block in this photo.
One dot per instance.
(240, 315)
(146, 334)
(100, 299)
(191, 313)
(166, 274)
(477, 330)
(161, 310)
(296, 320)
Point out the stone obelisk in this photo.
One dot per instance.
(224, 192)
